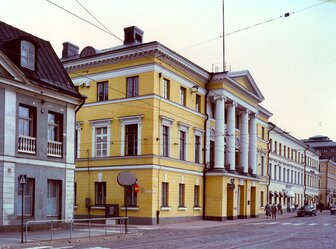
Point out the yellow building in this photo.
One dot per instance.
(195, 140)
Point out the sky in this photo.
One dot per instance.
(292, 59)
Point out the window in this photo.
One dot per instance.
(198, 103)
(263, 132)
(130, 196)
(270, 170)
(75, 194)
(213, 111)
(54, 198)
(181, 195)
(130, 135)
(261, 198)
(165, 194)
(280, 148)
(183, 96)
(100, 146)
(275, 147)
(27, 119)
(270, 145)
(196, 196)
(27, 55)
(101, 141)
(102, 91)
(100, 193)
(262, 166)
(77, 140)
(279, 173)
(132, 87)
(165, 88)
(197, 149)
(284, 151)
(131, 142)
(27, 129)
(288, 175)
(55, 127)
(182, 145)
(284, 174)
(275, 172)
(28, 199)
(165, 141)
(212, 154)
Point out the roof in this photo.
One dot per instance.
(49, 72)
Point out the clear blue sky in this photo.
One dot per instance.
(292, 59)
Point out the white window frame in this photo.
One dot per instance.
(100, 124)
(78, 130)
(165, 121)
(165, 88)
(128, 121)
(198, 132)
(183, 127)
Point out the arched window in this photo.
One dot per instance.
(27, 55)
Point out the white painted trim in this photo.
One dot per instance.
(101, 123)
(130, 208)
(165, 208)
(78, 130)
(166, 121)
(141, 167)
(10, 112)
(233, 175)
(128, 121)
(44, 163)
(182, 209)
(123, 72)
(234, 98)
(70, 135)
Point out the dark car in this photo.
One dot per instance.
(333, 209)
(307, 210)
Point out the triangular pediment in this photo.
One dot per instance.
(245, 80)
(9, 70)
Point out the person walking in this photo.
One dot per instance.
(274, 211)
(268, 210)
(280, 208)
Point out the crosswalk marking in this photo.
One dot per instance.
(291, 224)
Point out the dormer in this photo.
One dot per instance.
(27, 55)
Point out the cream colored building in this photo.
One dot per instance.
(195, 140)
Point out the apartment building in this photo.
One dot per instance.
(37, 130)
(293, 170)
(195, 140)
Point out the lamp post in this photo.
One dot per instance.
(304, 175)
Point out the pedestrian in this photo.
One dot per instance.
(267, 210)
(280, 208)
(274, 211)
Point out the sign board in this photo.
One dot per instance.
(126, 179)
(23, 179)
(136, 188)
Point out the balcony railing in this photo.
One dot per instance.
(27, 144)
(55, 148)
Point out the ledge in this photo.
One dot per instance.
(130, 208)
(197, 208)
(182, 209)
(165, 208)
(98, 207)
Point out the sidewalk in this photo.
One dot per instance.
(13, 239)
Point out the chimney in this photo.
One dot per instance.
(69, 50)
(132, 35)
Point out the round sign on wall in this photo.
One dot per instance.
(126, 179)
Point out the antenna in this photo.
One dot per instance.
(224, 69)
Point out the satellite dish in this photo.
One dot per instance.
(126, 179)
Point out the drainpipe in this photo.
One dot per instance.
(81, 104)
(268, 152)
(205, 143)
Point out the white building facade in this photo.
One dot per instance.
(293, 170)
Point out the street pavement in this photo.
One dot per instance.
(61, 238)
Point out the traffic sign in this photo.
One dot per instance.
(23, 179)
(136, 188)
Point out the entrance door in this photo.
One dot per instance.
(253, 202)
(238, 201)
(54, 198)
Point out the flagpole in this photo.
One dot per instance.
(224, 66)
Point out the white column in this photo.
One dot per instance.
(220, 132)
(244, 140)
(231, 136)
(253, 144)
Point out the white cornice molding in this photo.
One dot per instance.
(140, 167)
(153, 51)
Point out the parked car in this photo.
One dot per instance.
(307, 210)
(333, 209)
